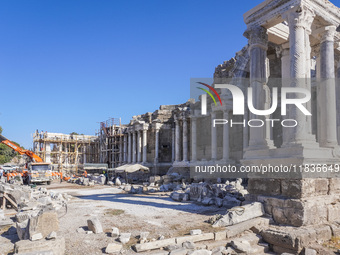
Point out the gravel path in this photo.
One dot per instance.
(155, 213)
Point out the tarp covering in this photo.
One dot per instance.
(89, 166)
(131, 168)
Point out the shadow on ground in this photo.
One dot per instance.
(149, 201)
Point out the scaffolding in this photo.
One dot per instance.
(67, 153)
(111, 142)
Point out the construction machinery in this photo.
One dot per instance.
(37, 170)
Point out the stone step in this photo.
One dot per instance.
(259, 249)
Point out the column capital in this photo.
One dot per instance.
(299, 17)
(327, 34)
(257, 36)
(316, 50)
(282, 50)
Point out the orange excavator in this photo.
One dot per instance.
(37, 171)
(21, 151)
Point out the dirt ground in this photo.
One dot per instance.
(155, 213)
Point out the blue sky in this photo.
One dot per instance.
(66, 65)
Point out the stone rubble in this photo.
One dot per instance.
(37, 217)
(115, 232)
(124, 238)
(240, 214)
(94, 225)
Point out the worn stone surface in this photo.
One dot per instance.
(195, 238)
(240, 214)
(36, 236)
(155, 245)
(236, 229)
(56, 245)
(94, 225)
(115, 232)
(124, 237)
(179, 251)
(200, 252)
(195, 232)
(295, 239)
(52, 235)
(188, 245)
(44, 223)
(22, 230)
(241, 246)
(113, 248)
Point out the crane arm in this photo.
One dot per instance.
(20, 150)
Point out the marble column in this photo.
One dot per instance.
(139, 146)
(134, 151)
(173, 145)
(125, 148)
(178, 141)
(121, 150)
(338, 98)
(327, 95)
(193, 139)
(185, 139)
(156, 144)
(48, 153)
(213, 137)
(285, 73)
(258, 45)
(144, 145)
(226, 136)
(299, 22)
(129, 147)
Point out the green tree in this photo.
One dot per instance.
(6, 153)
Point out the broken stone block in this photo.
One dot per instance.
(218, 250)
(36, 236)
(200, 252)
(229, 251)
(188, 245)
(207, 201)
(155, 244)
(94, 225)
(52, 235)
(195, 232)
(113, 247)
(144, 235)
(258, 223)
(80, 230)
(44, 223)
(242, 246)
(115, 232)
(177, 196)
(22, 230)
(89, 232)
(124, 237)
(172, 247)
(2, 214)
(57, 246)
(309, 251)
(240, 214)
(195, 238)
(230, 202)
(179, 251)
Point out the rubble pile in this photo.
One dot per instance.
(227, 195)
(90, 180)
(37, 219)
